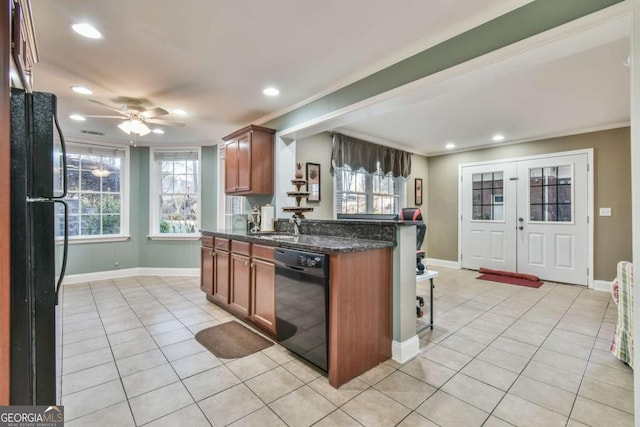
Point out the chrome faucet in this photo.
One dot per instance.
(296, 224)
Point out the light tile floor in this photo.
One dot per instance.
(499, 355)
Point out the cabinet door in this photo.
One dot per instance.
(221, 277)
(263, 285)
(240, 281)
(206, 270)
(231, 167)
(244, 165)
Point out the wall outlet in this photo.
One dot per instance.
(605, 211)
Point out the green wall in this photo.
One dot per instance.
(139, 251)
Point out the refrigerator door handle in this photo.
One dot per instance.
(63, 147)
(65, 248)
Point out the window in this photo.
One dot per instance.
(95, 180)
(175, 192)
(359, 192)
(550, 194)
(228, 206)
(488, 196)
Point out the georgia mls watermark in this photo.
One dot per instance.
(32, 416)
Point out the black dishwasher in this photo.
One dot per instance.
(302, 303)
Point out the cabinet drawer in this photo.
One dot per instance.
(207, 241)
(263, 252)
(222, 243)
(240, 247)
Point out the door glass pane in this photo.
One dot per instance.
(487, 196)
(550, 194)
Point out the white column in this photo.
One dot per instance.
(405, 343)
(285, 169)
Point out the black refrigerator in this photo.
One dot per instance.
(38, 246)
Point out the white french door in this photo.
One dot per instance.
(529, 216)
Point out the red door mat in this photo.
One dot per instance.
(510, 278)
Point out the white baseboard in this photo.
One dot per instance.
(404, 351)
(434, 262)
(602, 285)
(128, 272)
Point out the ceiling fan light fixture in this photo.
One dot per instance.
(134, 126)
(101, 172)
(158, 131)
(180, 112)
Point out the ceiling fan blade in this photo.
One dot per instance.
(154, 112)
(165, 122)
(117, 110)
(107, 117)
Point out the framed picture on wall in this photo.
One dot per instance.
(418, 191)
(313, 182)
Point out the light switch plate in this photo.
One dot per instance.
(605, 211)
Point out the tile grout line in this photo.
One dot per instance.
(160, 349)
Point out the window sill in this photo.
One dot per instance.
(174, 236)
(95, 239)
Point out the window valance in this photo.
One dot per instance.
(357, 154)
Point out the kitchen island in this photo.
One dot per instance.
(238, 275)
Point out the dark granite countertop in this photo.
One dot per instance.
(316, 243)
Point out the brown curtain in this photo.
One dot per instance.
(357, 154)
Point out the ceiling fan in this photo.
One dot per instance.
(136, 117)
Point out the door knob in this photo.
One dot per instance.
(520, 219)
(521, 228)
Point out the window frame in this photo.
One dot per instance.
(155, 191)
(125, 183)
(399, 194)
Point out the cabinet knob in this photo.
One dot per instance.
(246, 263)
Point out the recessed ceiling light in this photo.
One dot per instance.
(81, 89)
(158, 131)
(179, 112)
(77, 117)
(87, 30)
(498, 138)
(271, 91)
(450, 145)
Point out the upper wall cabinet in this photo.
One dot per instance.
(249, 161)
(23, 45)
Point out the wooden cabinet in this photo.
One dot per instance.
(239, 300)
(207, 265)
(263, 288)
(221, 271)
(249, 160)
(23, 42)
(240, 277)
(360, 308)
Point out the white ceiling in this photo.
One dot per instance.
(571, 86)
(213, 58)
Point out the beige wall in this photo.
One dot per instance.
(317, 149)
(419, 169)
(612, 189)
